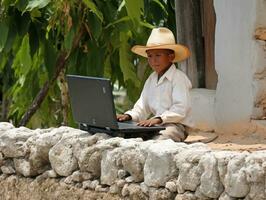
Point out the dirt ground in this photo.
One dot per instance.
(234, 142)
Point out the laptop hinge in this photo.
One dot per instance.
(107, 130)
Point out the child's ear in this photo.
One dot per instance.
(171, 57)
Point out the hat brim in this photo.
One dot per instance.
(181, 52)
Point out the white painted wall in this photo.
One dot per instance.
(203, 109)
(234, 57)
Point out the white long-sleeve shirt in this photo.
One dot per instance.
(167, 98)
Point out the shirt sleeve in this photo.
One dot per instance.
(140, 110)
(181, 103)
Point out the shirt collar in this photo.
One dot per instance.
(168, 74)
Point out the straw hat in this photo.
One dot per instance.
(162, 38)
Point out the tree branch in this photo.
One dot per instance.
(60, 65)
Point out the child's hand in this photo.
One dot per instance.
(123, 117)
(150, 122)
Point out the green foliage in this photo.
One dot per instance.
(34, 33)
(36, 4)
(3, 36)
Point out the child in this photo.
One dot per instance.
(166, 91)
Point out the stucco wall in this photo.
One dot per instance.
(240, 61)
(234, 53)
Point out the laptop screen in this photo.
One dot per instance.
(92, 101)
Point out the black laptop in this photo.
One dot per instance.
(93, 107)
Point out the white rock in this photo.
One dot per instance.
(12, 141)
(190, 171)
(199, 195)
(110, 166)
(25, 167)
(186, 196)
(69, 132)
(8, 167)
(3, 177)
(135, 192)
(171, 186)
(121, 173)
(61, 157)
(130, 143)
(51, 173)
(68, 180)
(84, 142)
(37, 148)
(225, 196)
(39, 179)
(8, 170)
(236, 184)
(94, 184)
(120, 183)
(114, 189)
(1, 159)
(255, 172)
(4, 126)
(160, 166)
(86, 184)
(163, 194)
(77, 176)
(125, 191)
(210, 184)
(144, 188)
(133, 162)
(223, 158)
(129, 179)
(99, 188)
(86, 176)
(90, 158)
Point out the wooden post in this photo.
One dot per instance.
(208, 29)
(189, 33)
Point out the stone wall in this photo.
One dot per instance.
(68, 163)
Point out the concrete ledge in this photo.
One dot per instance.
(66, 163)
(203, 109)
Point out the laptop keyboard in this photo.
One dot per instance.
(127, 125)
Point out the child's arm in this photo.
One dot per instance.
(123, 117)
(151, 122)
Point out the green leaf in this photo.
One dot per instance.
(107, 67)
(8, 2)
(37, 4)
(94, 9)
(69, 39)
(35, 13)
(147, 25)
(23, 62)
(123, 19)
(163, 7)
(3, 61)
(12, 33)
(21, 4)
(125, 60)
(134, 9)
(50, 55)
(95, 26)
(3, 36)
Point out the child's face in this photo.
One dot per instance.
(160, 59)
